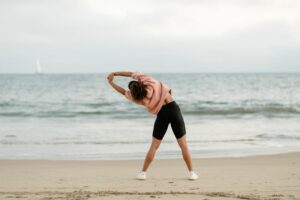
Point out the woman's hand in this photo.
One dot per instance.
(110, 77)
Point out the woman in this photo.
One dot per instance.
(158, 100)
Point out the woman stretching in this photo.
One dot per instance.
(157, 98)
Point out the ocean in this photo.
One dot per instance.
(80, 117)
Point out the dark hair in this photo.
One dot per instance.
(137, 89)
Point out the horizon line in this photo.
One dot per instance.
(233, 72)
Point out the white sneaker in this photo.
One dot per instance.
(141, 175)
(193, 176)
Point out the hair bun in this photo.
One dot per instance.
(138, 90)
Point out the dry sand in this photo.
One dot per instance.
(273, 177)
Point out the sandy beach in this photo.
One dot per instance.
(271, 177)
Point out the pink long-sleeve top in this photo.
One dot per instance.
(156, 92)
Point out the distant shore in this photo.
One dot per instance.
(271, 177)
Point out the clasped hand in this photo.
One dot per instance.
(110, 77)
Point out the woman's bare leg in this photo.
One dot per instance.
(185, 152)
(151, 153)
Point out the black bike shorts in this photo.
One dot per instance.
(169, 113)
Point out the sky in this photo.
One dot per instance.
(168, 36)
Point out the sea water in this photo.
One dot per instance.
(79, 116)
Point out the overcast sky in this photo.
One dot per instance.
(72, 36)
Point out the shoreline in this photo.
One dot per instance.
(269, 177)
(159, 156)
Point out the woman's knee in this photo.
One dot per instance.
(155, 144)
(182, 142)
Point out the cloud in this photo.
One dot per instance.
(150, 35)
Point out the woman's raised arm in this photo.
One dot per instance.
(127, 74)
(118, 88)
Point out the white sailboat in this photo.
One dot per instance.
(38, 69)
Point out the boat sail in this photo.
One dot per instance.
(38, 69)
